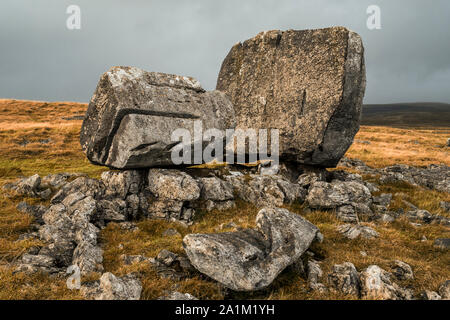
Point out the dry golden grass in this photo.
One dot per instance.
(37, 121)
(388, 146)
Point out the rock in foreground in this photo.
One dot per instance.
(251, 259)
(309, 84)
(133, 113)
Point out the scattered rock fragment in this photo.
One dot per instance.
(344, 278)
(251, 259)
(354, 231)
(402, 270)
(175, 295)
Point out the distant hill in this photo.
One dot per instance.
(417, 114)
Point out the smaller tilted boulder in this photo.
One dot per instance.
(251, 259)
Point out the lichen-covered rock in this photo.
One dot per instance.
(122, 183)
(345, 278)
(84, 185)
(314, 274)
(251, 259)
(111, 287)
(354, 231)
(376, 283)
(402, 270)
(172, 185)
(324, 195)
(266, 190)
(133, 113)
(309, 84)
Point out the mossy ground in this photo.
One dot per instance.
(25, 125)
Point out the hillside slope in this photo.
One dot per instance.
(417, 114)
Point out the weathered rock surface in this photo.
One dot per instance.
(402, 270)
(251, 259)
(323, 195)
(314, 275)
(111, 287)
(376, 283)
(309, 84)
(354, 231)
(345, 279)
(132, 114)
(265, 191)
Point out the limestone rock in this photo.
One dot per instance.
(345, 279)
(314, 273)
(133, 113)
(120, 184)
(324, 195)
(376, 284)
(251, 259)
(354, 231)
(111, 287)
(309, 84)
(172, 185)
(402, 270)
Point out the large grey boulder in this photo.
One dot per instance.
(251, 259)
(309, 84)
(133, 113)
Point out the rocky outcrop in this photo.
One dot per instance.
(309, 84)
(133, 113)
(251, 259)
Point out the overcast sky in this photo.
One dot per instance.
(40, 59)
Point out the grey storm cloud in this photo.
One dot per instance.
(40, 59)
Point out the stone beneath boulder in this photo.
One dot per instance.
(266, 190)
(251, 259)
(111, 287)
(120, 184)
(217, 193)
(169, 184)
(309, 84)
(354, 231)
(324, 195)
(133, 114)
(345, 279)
